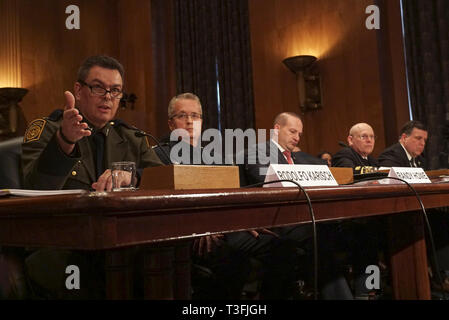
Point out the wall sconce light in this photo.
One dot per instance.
(9, 109)
(308, 81)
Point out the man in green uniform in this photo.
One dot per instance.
(74, 148)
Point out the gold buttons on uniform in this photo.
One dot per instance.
(112, 123)
(73, 173)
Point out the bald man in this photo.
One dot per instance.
(359, 237)
(278, 253)
(361, 141)
(281, 149)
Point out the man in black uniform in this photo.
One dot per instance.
(73, 149)
(361, 141)
(360, 237)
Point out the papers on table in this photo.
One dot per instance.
(36, 193)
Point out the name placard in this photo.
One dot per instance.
(304, 174)
(409, 174)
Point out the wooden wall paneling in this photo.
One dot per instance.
(51, 54)
(392, 70)
(335, 32)
(134, 39)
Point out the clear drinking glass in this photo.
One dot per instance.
(123, 176)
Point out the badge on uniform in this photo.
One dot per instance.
(34, 130)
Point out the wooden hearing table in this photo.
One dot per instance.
(162, 223)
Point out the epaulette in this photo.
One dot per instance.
(56, 115)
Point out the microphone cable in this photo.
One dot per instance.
(314, 232)
(426, 219)
(140, 133)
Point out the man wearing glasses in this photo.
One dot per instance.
(185, 122)
(361, 237)
(219, 270)
(74, 147)
(361, 141)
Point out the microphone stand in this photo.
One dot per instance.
(140, 133)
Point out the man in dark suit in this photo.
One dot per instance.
(219, 270)
(279, 150)
(408, 151)
(361, 141)
(288, 128)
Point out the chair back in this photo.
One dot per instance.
(11, 164)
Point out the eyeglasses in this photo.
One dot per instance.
(366, 137)
(184, 116)
(98, 90)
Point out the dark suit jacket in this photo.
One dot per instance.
(250, 171)
(347, 157)
(395, 156)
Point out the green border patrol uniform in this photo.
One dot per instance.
(46, 166)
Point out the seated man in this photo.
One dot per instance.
(73, 149)
(278, 251)
(361, 141)
(360, 237)
(230, 268)
(408, 152)
(326, 155)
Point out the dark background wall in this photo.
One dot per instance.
(363, 77)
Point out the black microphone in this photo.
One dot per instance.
(342, 144)
(140, 133)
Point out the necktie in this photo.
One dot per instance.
(412, 162)
(288, 155)
(98, 139)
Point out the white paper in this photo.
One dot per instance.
(36, 193)
(305, 174)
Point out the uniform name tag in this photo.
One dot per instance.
(305, 175)
(411, 175)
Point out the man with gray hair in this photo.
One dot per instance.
(185, 119)
(229, 267)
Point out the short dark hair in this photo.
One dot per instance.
(323, 152)
(410, 125)
(101, 61)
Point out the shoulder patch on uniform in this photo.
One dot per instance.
(34, 130)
